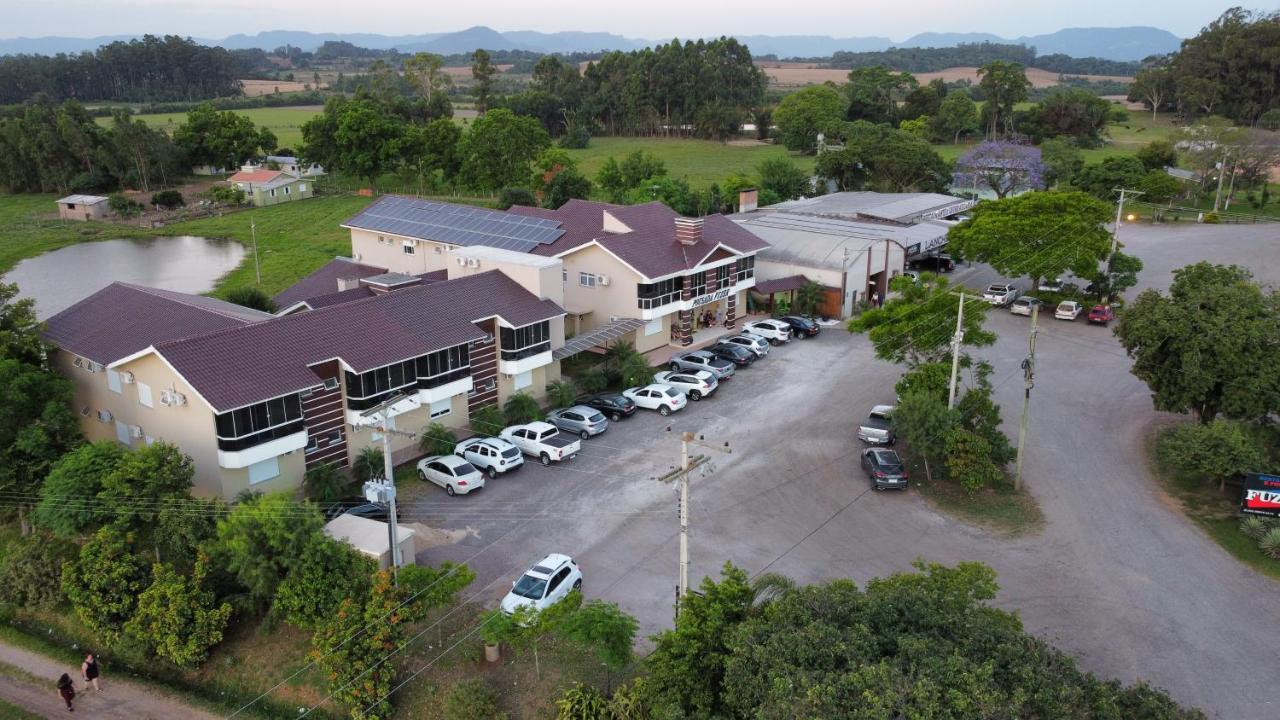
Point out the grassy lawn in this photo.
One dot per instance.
(1215, 513)
(285, 122)
(27, 236)
(997, 508)
(9, 711)
(700, 162)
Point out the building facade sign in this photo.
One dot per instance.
(946, 210)
(713, 297)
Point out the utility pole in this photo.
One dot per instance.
(1115, 234)
(1028, 378)
(385, 491)
(687, 464)
(1222, 170)
(257, 269)
(955, 353)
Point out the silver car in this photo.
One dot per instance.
(702, 360)
(580, 420)
(754, 343)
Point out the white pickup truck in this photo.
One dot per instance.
(543, 441)
(1000, 294)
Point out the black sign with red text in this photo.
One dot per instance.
(1261, 495)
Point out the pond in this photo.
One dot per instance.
(186, 263)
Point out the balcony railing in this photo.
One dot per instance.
(526, 352)
(264, 436)
(355, 403)
(649, 303)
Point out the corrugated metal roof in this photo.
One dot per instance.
(895, 207)
(821, 242)
(598, 336)
(82, 199)
(456, 224)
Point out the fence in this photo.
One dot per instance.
(1177, 213)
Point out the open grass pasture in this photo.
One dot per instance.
(285, 122)
(701, 162)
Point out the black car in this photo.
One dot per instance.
(933, 263)
(735, 354)
(359, 507)
(614, 405)
(801, 327)
(884, 469)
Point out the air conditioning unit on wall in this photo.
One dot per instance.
(603, 280)
(135, 431)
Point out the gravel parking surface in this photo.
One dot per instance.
(1117, 577)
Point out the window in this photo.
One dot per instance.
(144, 395)
(524, 379)
(302, 188)
(722, 275)
(259, 423)
(408, 248)
(264, 471)
(746, 267)
(527, 341)
(697, 282)
(122, 433)
(657, 294)
(113, 381)
(440, 408)
(273, 192)
(428, 371)
(334, 437)
(331, 383)
(586, 279)
(286, 189)
(564, 275)
(313, 444)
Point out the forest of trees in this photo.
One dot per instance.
(975, 55)
(150, 69)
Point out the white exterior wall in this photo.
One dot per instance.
(389, 252)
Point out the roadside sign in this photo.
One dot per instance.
(1261, 495)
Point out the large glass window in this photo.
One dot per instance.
(746, 267)
(259, 423)
(368, 389)
(657, 294)
(527, 341)
(698, 282)
(722, 275)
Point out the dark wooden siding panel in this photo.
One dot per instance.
(324, 414)
(484, 370)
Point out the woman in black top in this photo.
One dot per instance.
(89, 669)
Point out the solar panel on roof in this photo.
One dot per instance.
(458, 225)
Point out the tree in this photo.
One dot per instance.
(176, 616)
(431, 587)
(37, 427)
(30, 576)
(803, 114)
(168, 199)
(324, 483)
(956, 116)
(1158, 155)
(617, 179)
(922, 419)
(104, 582)
(123, 206)
(923, 101)
(326, 573)
(66, 497)
(19, 328)
(1001, 166)
(356, 137)
(1062, 160)
(1216, 450)
(521, 408)
(1124, 275)
(1039, 234)
(1153, 86)
(783, 177)
(561, 393)
(512, 196)
(1004, 85)
(253, 297)
(488, 420)
(482, 73)
(1227, 68)
(1071, 112)
(353, 646)
(500, 148)
(567, 185)
(437, 439)
(369, 464)
(221, 139)
(262, 540)
(1158, 186)
(1101, 179)
(873, 93)
(145, 484)
(426, 72)
(604, 628)
(808, 298)
(915, 326)
(1206, 347)
(968, 460)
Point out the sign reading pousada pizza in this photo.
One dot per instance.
(1261, 495)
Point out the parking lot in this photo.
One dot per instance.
(1117, 577)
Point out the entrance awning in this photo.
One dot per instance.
(601, 335)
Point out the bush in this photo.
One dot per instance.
(176, 617)
(31, 574)
(103, 584)
(324, 483)
(66, 506)
(594, 381)
(1270, 543)
(1210, 219)
(123, 206)
(561, 393)
(227, 195)
(516, 196)
(1254, 527)
(576, 139)
(429, 587)
(471, 700)
(252, 297)
(437, 439)
(521, 408)
(488, 420)
(168, 199)
(326, 573)
(369, 463)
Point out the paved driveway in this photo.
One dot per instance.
(1117, 577)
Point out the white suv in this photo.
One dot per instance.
(697, 384)
(544, 584)
(754, 343)
(775, 331)
(492, 455)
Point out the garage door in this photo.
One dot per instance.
(830, 305)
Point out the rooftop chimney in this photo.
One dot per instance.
(688, 230)
(748, 200)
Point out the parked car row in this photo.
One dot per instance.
(1066, 310)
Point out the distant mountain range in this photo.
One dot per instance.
(1127, 43)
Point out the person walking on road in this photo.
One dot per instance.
(66, 690)
(89, 669)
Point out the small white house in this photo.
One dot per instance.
(369, 538)
(82, 207)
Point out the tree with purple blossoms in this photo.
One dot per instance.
(1002, 166)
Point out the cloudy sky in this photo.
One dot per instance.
(655, 19)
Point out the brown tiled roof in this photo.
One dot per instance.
(121, 319)
(236, 367)
(325, 280)
(777, 285)
(581, 220)
(337, 298)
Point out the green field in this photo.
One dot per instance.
(701, 162)
(285, 122)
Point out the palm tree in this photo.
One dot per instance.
(561, 393)
(635, 371)
(437, 439)
(368, 464)
(488, 420)
(808, 297)
(767, 587)
(324, 483)
(521, 408)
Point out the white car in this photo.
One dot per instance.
(1023, 305)
(754, 343)
(492, 455)
(1000, 294)
(455, 475)
(1068, 310)
(663, 398)
(696, 384)
(775, 331)
(1050, 285)
(544, 584)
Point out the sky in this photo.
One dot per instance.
(650, 19)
